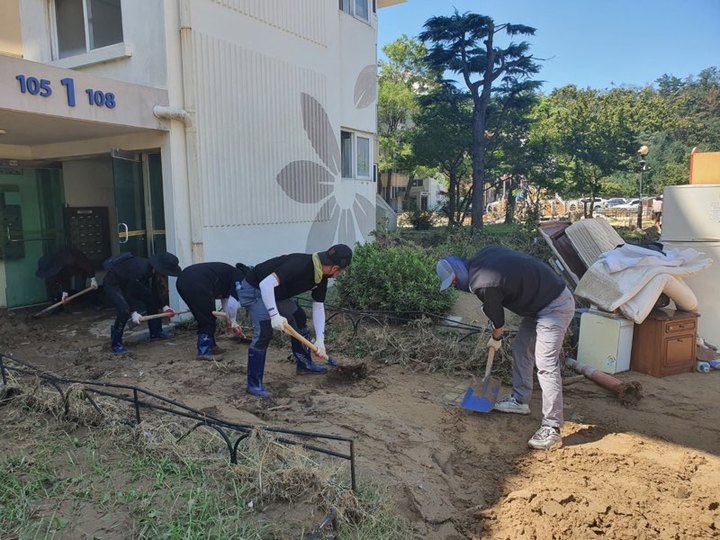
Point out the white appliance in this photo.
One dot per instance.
(605, 341)
(691, 219)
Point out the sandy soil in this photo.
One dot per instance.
(648, 472)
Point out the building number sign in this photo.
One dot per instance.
(43, 88)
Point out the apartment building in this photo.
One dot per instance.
(219, 130)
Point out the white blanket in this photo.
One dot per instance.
(631, 279)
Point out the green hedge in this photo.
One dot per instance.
(392, 278)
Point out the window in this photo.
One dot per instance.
(358, 8)
(85, 25)
(363, 157)
(355, 155)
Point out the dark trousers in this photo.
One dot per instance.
(123, 300)
(199, 298)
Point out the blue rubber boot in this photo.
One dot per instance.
(116, 344)
(204, 347)
(156, 331)
(256, 370)
(304, 364)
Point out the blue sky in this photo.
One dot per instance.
(590, 43)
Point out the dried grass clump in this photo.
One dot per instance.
(421, 345)
(181, 439)
(284, 472)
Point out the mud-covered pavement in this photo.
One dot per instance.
(648, 472)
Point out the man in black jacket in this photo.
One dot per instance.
(128, 284)
(502, 278)
(199, 286)
(267, 294)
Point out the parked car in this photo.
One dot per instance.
(616, 201)
(632, 205)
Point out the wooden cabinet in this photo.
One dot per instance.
(664, 344)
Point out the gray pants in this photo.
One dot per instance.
(538, 342)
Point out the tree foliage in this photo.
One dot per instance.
(467, 45)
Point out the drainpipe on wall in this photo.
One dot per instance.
(187, 116)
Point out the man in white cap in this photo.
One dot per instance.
(503, 278)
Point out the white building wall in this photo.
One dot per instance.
(271, 90)
(140, 59)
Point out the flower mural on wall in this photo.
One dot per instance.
(309, 182)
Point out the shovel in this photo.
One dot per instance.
(289, 330)
(481, 396)
(61, 303)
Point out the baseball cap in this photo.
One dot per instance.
(338, 255)
(445, 272)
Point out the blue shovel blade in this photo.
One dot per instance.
(485, 399)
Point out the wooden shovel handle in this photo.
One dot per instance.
(167, 314)
(289, 330)
(489, 364)
(60, 303)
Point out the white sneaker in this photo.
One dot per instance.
(511, 405)
(545, 438)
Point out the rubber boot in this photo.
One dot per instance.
(116, 344)
(215, 349)
(156, 331)
(304, 364)
(204, 348)
(256, 370)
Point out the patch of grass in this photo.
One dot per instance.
(72, 480)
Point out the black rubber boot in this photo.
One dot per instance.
(116, 344)
(156, 331)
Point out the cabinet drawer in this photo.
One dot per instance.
(679, 350)
(673, 327)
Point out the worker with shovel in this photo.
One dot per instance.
(503, 278)
(267, 294)
(199, 285)
(60, 269)
(128, 283)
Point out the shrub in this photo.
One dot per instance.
(422, 220)
(386, 277)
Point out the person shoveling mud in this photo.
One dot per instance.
(503, 278)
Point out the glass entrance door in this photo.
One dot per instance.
(31, 202)
(137, 182)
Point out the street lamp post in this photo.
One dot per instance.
(642, 153)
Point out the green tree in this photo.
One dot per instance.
(466, 44)
(402, 79)
(441, 140)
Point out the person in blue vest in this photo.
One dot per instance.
(199, 285)
(502, 278)
(129, 284)
(267, 294)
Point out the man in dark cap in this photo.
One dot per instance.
(503, 278)
(267, 294)
(199, 286)
(129, 283)
(61, 268)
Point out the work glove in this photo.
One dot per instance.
(320, 346)
(169, 311)
(494, 343)
(136, 317)
(64, 297)
(93, 283)
(278, 321)
(234, 327)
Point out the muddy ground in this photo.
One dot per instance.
(651, 471)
